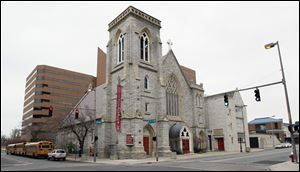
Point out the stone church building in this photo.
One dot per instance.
(161, 106)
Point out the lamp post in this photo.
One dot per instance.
(268, 46)
(242, 108)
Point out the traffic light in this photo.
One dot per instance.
(76, 113)
(257, 95)
(296, 128)
(50, 111)
(226, 100)
(96, 138)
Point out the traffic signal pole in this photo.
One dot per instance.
(287, 103)
(250, 88)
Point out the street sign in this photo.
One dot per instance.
(151, 121)
(99, 121)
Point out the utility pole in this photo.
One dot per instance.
(244, 129)
(268, 46)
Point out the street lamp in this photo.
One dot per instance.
(268, 46)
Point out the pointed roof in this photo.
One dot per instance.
(134, 11)
(170, 52)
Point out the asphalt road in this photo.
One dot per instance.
(256, 161)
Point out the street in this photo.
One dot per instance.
(254, 161)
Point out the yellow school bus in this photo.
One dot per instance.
(20, 148)
(10, 149)
(37, 149)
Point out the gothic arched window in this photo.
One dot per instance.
(144, 47)
(172, 101)
(120, 49)
(146, 82)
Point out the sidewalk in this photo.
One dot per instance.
(148, 160)
(285, 166)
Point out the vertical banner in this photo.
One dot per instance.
(118, 110)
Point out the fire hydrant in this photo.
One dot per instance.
(292, 157)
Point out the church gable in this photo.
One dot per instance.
(171, 66)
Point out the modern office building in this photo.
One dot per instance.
(50, 86)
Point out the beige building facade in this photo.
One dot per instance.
(50, 86)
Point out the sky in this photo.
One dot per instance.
(222, 41)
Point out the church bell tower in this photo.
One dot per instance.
(133, 52)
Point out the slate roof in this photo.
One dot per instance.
(264, 120)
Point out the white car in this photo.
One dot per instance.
(283, 145)
(57, 154)
(287, 145)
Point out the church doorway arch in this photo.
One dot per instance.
(148, 134)
(180, 139)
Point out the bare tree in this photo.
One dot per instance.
(15, 133)
(4, 140)
(81, 126)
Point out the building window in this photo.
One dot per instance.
(276, 125)
(146, 82)
(260, 128)
(172, 101)
(144, 47)
(121, 49)
(146, 107)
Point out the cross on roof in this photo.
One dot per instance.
(170, 43)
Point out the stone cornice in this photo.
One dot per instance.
(135, 11)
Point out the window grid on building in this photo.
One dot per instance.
(144, 47)
(172, 98)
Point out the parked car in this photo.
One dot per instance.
(287, 145)
(57, 154)
(283, 145)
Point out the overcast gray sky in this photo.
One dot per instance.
(222, 41)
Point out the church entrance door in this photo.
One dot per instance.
(185, 146)
(221, 144)
(146, 144)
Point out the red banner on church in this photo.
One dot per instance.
(118, 110)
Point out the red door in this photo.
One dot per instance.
(146, 144)
(185, 146)
(221, 144)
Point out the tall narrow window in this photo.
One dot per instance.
(146, 82)
(144, 47)
(121, 49)
(172, 101)
(146, 107)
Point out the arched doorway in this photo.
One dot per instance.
(148, 135)
(180, 139)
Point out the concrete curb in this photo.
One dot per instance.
(285, 166)
(152, 160)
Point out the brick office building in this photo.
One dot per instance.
(46, 86)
